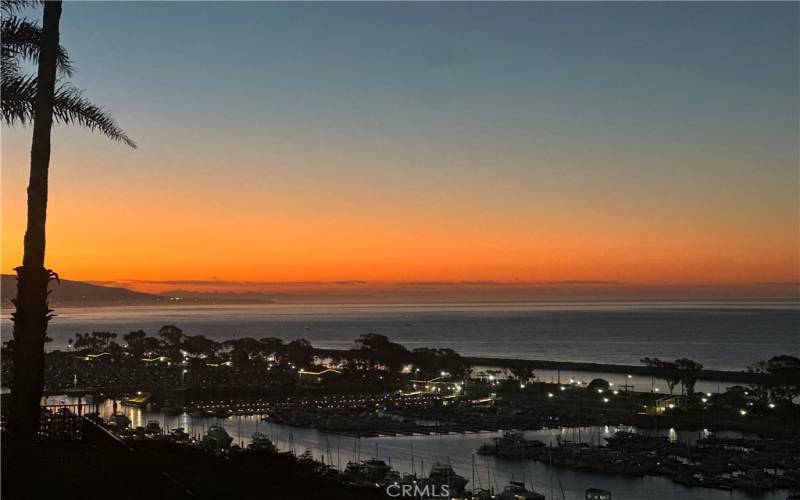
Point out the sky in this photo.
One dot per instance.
(636, 143)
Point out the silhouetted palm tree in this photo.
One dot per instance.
(20, 42)
(37, 100)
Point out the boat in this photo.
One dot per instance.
(153, 428)
(512, 445)
(597, 494)
(306, 456)
(260, 441)
(517, 491)
(140, 400)
(217, 438)
(179, 435)
(119, 421)
(483, 494)
(368, 471)
(443, 474)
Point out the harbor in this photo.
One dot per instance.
(416, 454)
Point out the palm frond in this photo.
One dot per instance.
(18, 96)
(9, 7)
(20, 40)
(69, 107)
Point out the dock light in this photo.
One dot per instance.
(521, 386)
(708, 394)
(549, 394)
(742, 412)
(611, 384)
(704, 400)
(616, 392)
(138, 393)
(772, 405)
(605, 400)
(630, 376)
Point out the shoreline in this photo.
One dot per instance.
(710, 375)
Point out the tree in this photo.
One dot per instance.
(273, 346)
(434, 361)
(780, 376)
(26, 99)
(172, 337)
(523, 373)
(199, 345)
(95, 342)
(135, 341)
(300, 352)
(244, 349)
(688, 371)
(32, 311)
(665, 370)
(380, 349)
(21, 40)
(599, 383)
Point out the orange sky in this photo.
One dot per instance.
(230, 230)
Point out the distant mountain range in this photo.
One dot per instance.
(74, 293)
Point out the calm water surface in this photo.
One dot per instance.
(457, 448)
(723, 335)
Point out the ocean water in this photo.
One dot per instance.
(721, 335)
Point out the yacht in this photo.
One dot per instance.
(517, 491)
(260, 441)
(443, 474)
(512, 445)
(217, 438)
(179, 435)
(369, 471)
(153, 428)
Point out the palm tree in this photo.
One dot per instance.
(21, 42)
(37, 100)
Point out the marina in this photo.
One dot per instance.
(417, 454)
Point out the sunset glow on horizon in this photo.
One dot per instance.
(513, 143)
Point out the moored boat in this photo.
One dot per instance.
(260, 441)
(517, 491)
(443, 474)
(217, 438)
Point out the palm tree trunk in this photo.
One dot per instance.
(32, 310)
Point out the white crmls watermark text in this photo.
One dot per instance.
(418, 491)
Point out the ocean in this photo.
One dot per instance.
(720, 335)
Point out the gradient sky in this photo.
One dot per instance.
(644, 143)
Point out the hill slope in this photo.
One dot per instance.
(70, 292)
